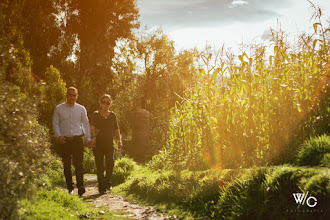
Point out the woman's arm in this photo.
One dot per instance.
(120, 144)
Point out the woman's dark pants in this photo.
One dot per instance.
(104, 159)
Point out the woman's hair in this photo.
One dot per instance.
(105, 96)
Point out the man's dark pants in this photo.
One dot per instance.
(73, 150)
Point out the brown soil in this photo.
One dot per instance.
(116, 203)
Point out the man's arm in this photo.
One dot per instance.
(56, 126)
(85, 124)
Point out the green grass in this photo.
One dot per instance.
(58, 204)
(315, 152)
(255, 193)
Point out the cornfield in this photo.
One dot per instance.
(255, 110)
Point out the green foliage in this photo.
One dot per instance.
(23, 147)
(53, 172)
(97, 26)
(43, 35)
(150, 74)
(123, 169)
(250, 111)
(58, 204)
(54, 93)
(89, 161)
(13, 54)
(314, 152)
(256, 193)
(326, 160)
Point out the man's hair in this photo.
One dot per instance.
(72, 88)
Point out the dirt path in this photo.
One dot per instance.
(116, 203)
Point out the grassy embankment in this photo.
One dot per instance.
(255, 193)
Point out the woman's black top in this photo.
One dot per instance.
(104, 128)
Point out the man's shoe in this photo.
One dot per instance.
(81, 191)
(71, 191)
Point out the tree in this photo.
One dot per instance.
(97, 26)
(155, 78)
(12, 51)
(42, 35)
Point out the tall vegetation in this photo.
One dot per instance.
(253, 110)
(152, 75)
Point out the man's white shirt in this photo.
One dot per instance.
(71, 121)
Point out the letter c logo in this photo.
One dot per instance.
(315, 202)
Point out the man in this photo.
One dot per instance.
(70, 122)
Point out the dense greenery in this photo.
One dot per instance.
(155, 78)
(257, 193)
(315, 152)
(24, 146)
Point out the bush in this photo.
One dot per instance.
(315, 152)
(23, 147)
(89, 161)
(53, 172)
(268, 194)
(54, 93)
(123, 169)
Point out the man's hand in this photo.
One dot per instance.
(62, 139)
(91, 143)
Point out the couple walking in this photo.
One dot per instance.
(70, 123)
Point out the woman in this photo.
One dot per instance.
(104, 127)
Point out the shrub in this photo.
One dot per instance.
(53, 172)
(54, 93)
(315, 152)
(23, 147)
(326, 161)
(89, 161)
(123, 169)
(268, 194)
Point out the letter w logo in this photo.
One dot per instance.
(300, 197)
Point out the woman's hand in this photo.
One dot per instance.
(91, 144)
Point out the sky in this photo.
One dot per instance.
(195, 23)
